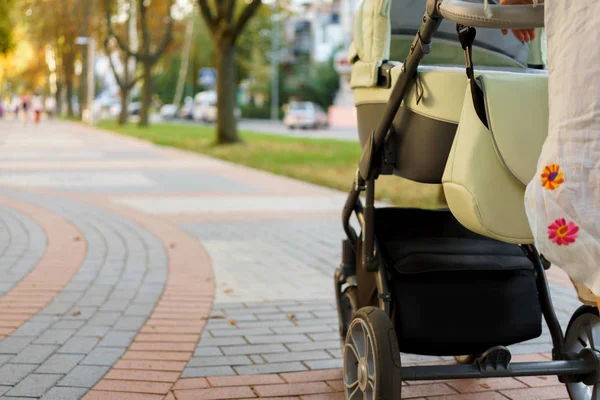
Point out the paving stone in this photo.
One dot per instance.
(253, 349)
(129, 323)
(277, 339)
(117, 339)
(59, 364)
(207, 352)
(225, 341)
(104, 356)
(312, 329)
(65, 393)
(93, 331)
(324, 364)
(55, 336)
(298, 356)
(84, 376)
(80, 313)
(79, 345)
(270, 368)
(34, 385)
(34, 354)
(31, 329)
(241, 332)
(104, 318)
(68, 324)
(218, 361)
(326, 336)
(4, 389)
(322, 345)
(13, 345)
(199, 372)
(139, 310)
(11, 374)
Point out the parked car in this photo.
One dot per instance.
(305, 115)
(168, 111)
(205, 107)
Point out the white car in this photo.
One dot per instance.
(168, 111)
(205, 107)
(305, 115)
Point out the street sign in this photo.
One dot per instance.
(207, 77)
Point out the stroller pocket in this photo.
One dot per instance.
(455, 292)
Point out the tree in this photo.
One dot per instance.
(6, 26)
(126, 78)
(225, 31)
(145, 55)
(87, 6)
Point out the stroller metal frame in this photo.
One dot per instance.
(582, 367)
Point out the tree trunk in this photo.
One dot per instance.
(69, 67)
(185, 61)
(226, 94)
(58, 98)
(146, 95)
(124, 115)
(82, 95)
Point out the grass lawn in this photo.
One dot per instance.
(325, 162)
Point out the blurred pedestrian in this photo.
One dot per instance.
(37, 103)
(25, 106)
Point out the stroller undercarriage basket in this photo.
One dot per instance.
(455, 292)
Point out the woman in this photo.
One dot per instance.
(563, 200)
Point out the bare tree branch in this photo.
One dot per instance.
(166, 40)
(242, 21)
(145, 33)
(112, 64)
(230, 7)
(207, 15)
(112, 33)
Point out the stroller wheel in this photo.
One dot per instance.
(584, 332)
(348, 306)
(372, 357)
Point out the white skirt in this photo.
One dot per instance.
(563, 200)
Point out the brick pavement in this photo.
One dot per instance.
(183, 277)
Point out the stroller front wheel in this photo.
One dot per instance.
(371, 357)
(348, 306)
(583, 332)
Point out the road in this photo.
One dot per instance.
(277, 128)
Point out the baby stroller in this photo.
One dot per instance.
(467, 279)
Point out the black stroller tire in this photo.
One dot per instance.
(583, 331)
(348, 307)
(372, 367)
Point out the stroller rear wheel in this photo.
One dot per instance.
(584, 332)
(371, 357)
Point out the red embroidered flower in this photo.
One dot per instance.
(552, 177)
(562, 233)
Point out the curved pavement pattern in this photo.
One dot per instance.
(146, 273)
(22, 244)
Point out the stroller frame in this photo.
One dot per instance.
(569, 367)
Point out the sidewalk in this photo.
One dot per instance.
(131, 271)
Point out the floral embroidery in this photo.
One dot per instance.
(552, 177)
(562, 233)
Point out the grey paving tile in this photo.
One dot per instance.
(11, 374)
(207, 352)
(65, 393)
(34, 385)
(233, 331)
(265, 339)
(129, 323)
(257, 359)
(198, 372)
(325, 336)
(96, 331)
(84, 376)
(218, 361)
(4, 389)
(34, 354)
(68, 324)
(31, 329)
(4, 358)
(303, 329)
(297, 356)
(104, 356)
(117, 339)
(13, 345)
(225, 341)
(55, 336)
(270, 368)
(139, 309)
(253, 349)
(321, 345)
(104, 318)
(79, 345)
(324, 364)
(60, 364)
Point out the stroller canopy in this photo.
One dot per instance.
(406, 15)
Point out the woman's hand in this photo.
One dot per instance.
(524, 35)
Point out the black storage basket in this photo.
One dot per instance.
(455, 292)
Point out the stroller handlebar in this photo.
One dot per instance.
(493, 16)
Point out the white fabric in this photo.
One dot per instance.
(372, 35)
(573, 143)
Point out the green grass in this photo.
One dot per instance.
(325, 162)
